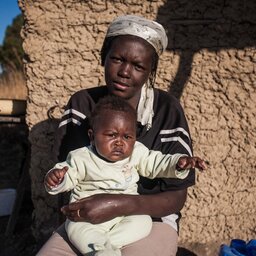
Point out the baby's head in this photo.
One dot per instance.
(113, 128)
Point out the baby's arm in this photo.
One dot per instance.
(54, 177)
(153, 163)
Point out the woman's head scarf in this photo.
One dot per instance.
(149, 30)
(154, 34)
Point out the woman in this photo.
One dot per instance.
(130, 56)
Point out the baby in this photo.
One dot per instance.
(112, 164)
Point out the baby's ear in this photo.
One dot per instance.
(91, 136)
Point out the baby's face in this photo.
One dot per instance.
(114, 135)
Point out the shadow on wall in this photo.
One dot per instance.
(213, 25)
(42, 140)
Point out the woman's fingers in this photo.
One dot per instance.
(73, 206)
(94, 209)
(73, 215)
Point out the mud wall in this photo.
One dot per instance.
(210, 64)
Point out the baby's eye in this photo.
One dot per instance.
(110, 135)
(127, 137)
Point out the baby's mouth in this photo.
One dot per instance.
(117, 152)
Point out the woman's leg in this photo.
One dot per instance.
(162, 240)
(58, 245)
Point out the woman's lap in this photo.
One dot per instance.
(161, 241)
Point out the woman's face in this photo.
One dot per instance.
(127, 67)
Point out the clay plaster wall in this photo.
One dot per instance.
(210, 63)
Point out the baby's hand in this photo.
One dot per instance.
(187, 162)
(54, 177)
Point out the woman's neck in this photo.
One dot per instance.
(134, 101)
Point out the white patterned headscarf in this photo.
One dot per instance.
(154, 34)
(149, 30)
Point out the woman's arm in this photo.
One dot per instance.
(103, 207)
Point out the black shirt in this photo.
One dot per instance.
(169, 132)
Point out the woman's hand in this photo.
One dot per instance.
(103, 207)
(96, 208)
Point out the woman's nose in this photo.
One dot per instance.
(124, 70)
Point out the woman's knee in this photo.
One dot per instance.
(162, 240)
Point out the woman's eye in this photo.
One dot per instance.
(116, 59)
(138, 67)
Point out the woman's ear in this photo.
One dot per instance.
(91, 136)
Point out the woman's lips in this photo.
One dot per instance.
(120, 86)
